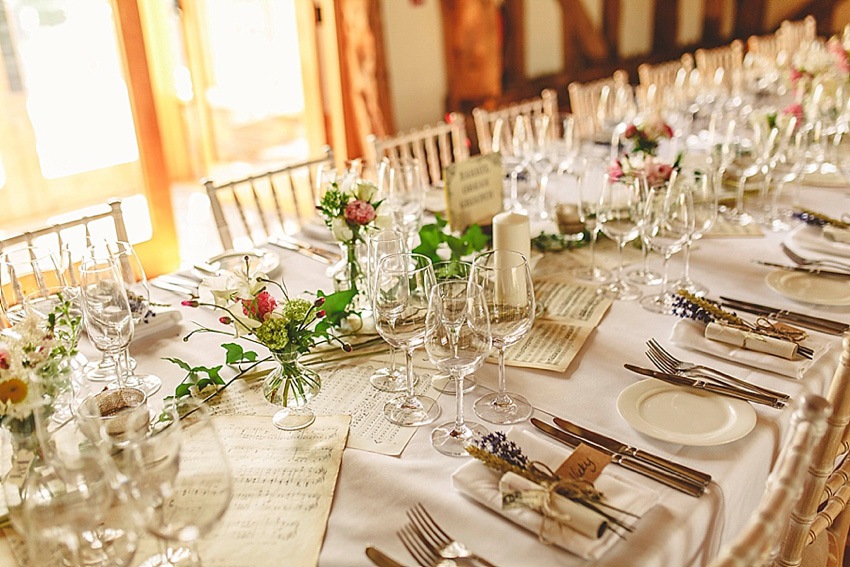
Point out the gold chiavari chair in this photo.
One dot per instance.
(265, 204)
(499, 123)
(792, 35)
(434, 146)
(586, 99)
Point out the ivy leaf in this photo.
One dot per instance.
(475, 238)
(179, 363)
(182, 391)
(235, 353)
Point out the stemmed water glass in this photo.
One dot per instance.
(403, 285)
(644, 275)
(179, 480)
(24, 272)
(700, 184)
(381, 244)
(620, 217)
(668, 222)
(457, 339)
(505, 281)
(590, 184)
(401, 183)
(451, 270)
(107, 314)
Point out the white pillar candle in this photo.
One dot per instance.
(511, 231)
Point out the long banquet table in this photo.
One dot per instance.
(374, 491)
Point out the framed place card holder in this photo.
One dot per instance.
(473, 191)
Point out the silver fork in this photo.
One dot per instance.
(437, 540)
(423, 555)
(669, 363)
(799, 260)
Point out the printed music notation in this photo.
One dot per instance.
(570, 302)
(345, 390)
(550, 345)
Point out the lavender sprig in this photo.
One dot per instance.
(815, 218)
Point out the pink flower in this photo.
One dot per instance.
(359, 212)
(657, 172)
(615, 171)
(225, 320)
(839, 54)
(795, 75)
(5, 357)
(795, 109)
(631, 131)
(259, 307)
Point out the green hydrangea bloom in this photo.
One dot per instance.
(273, 333)
(295, 310)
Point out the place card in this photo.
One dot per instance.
(585, 463)
(473, 189)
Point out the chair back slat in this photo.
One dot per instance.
(264, 196)
(586, 100)
(486, 120)
(434, 146)
(796, 536)
(754, 545)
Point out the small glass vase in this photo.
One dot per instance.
(291, 385)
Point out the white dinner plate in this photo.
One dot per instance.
(260, 260)
(684, 415)
(800, 286)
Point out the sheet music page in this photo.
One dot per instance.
(554, 263)
(550, 345)
(345, 390)
(570, 302)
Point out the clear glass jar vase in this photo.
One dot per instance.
(291, 385)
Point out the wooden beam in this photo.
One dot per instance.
(749, 17)
(712, 23)
(159, 254)
(611, 25)
(473, 57)
(513, 24)
(308, 47)
(666, 25)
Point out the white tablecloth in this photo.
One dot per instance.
(375, 491)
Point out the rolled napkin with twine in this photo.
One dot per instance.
(751, 341)
(158, 322)
(480, 483)
(691, 335)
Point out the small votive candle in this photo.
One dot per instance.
(511, 231)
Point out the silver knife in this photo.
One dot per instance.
(628, 450)
(807, 270)
(671, 480)
(173, 288)
(380, 558)
(800, 319)
(309, 252)
(332, 256)
(720, 389)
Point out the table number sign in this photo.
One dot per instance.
(473, 190)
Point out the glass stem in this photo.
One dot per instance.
(459, 424)
(408, 357)
(620, 246)
(119, 368)
(593, 234)
(502, 399)
(644, 250)
(739, 199)
(686, 268)
(664, 277)
(393, 369)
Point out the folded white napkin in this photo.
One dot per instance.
(161, 321)
(690, 334)
(481, 484)
(812, 238)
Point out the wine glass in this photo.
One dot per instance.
(401, 183)
(700, 184)
(452, 270)
(403, 285)
(138, 294)
(620, 217)
(106, 309)
(668, 222)
(590, 184)
(786, 166)
(457, 339)
(179, 480)
(505, 281)
(644, 275)
(543, 158)
(381, 244)
(24, 272)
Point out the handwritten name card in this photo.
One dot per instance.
(473, 190)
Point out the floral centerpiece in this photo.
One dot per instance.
(646, 132)
(35, 370)
(350, 213)
(287, 326)
(818, 73)
(639, 164)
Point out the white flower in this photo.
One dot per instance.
(341, 230)
(242, 324)
(365, 190)
(384, 217)
(224, 288)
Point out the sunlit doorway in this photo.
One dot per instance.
(67, 138)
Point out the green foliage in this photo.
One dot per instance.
(555, 242)
(432, 236)
(199, 376)
(236, 354)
